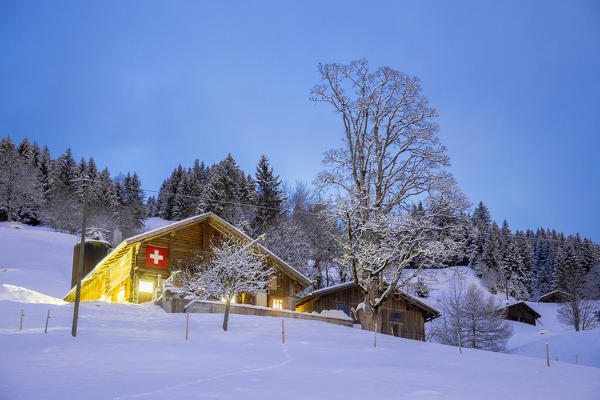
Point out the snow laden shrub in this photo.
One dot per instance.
(468, 314)
(421, 287)
(231, 269)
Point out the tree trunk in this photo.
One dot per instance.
(369, 317)
(9, 213)
(319, 274)
(576, 315)
(226, 319)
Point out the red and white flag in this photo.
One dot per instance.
(156, 257)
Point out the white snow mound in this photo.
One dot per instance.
(22, 295)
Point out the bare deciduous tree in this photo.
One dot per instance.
(232, 269)
(580, 313)
(391, 158)
(465, 311)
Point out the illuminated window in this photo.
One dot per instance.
(146, 286)
(278, 304)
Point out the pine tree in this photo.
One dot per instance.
(102, 209)
(570, 271)
(24, 149)
(132, 209)
(168, 192)
(491, 252)
(63, 211)
(481, 216)
(183, 203)
(20, 186)
(45, 166)
(221, 194)
(151, 207)
(270, 197)
(481, 222)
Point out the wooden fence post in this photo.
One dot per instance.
(547, 355)
(375, 335)
(21, 322)
(47, 318)
(282, 332)
(459, 344)
(576, 358)
(187, 323)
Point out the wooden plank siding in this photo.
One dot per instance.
(521, 312)
(398, 316)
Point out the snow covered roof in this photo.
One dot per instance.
(553, 293)
(341, 286)
(511, 304)
(220, 221)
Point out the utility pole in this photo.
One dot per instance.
(80, 264)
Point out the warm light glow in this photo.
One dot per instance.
(278, 304)
(146, 286)
(120, 295)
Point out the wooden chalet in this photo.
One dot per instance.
(556, 296)
(402, 315)
(132, 270)
(520, 312)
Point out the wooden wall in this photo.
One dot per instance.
(105, 282)
(123, 270)
(520, 313)
(182, 244)
(555, 297)
(397, 317)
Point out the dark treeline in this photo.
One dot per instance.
(36, 189)
(294, 228)
(524, 264)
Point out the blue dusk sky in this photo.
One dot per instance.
(146, 85)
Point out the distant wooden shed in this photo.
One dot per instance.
(402, 315)
(520, 312)
(131, 271)
(556, 296)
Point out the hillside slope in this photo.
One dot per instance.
(527, 340)
(36, 258)
(140, 352)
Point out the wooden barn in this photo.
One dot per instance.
(556, 296)
(131, 271)
(520, 312)
(402, 315)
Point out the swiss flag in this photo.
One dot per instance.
(156, 257)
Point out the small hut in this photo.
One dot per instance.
(556, 296)
(402, 315)
(520, 312)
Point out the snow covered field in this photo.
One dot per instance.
(36, 258)
(139, 351)
(528, 340)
